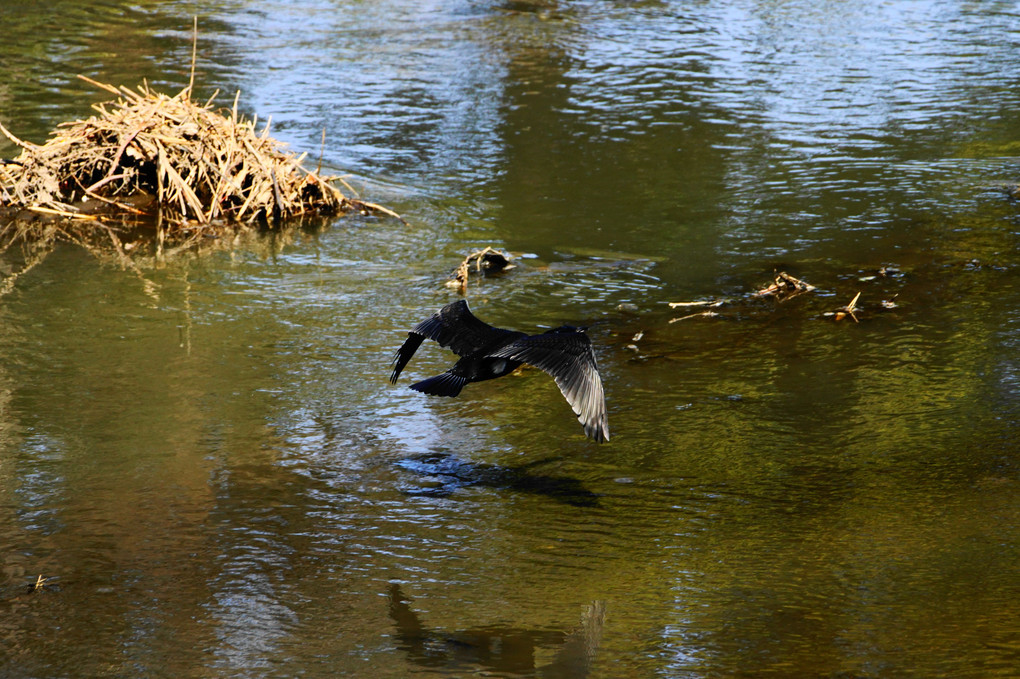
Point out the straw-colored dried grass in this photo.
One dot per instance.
(148, 159)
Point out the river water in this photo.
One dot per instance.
(206, 464)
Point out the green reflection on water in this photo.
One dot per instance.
(213, 469)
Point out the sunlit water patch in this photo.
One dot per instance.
(211, 473)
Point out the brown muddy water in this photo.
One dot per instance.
(209, 470)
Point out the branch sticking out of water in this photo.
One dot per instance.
(488, 258)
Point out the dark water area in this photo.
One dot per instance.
(207, 467)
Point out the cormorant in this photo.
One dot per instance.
(487, 352)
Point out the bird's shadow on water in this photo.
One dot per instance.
(502, 650)
(452, 473)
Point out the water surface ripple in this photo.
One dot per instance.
(206, 473)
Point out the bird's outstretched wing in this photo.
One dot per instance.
(453, 326)
(404, 354)
(569, 358)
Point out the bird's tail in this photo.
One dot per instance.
(446, 384)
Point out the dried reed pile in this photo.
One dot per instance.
(150, 154)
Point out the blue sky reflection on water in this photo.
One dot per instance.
(220, 479)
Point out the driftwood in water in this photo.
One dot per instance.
(784, 286)
(488, 259)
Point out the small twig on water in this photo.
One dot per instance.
(848, 310)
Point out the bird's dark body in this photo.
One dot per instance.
(478, 368)
(487, 353)
(465, 371)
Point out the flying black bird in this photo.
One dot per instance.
(487, 352)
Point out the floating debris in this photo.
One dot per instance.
(708, 303)
(628, 308)
(890, 303)
(488, 259)
(850, 310)
(785, 286)
(40, 584)
(700, 314)
(883, 272)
